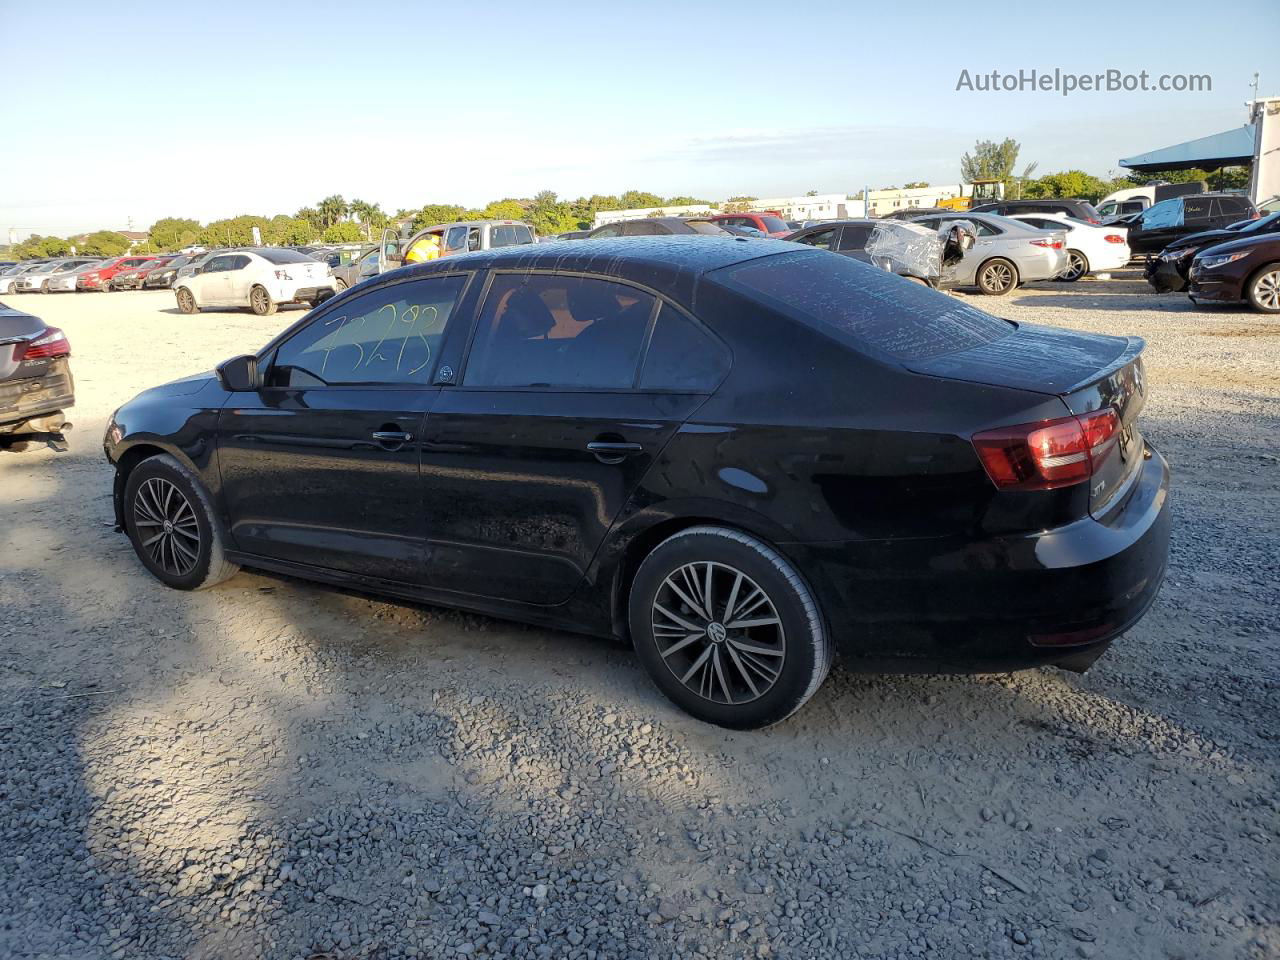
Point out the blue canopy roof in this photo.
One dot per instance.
(1227, 149)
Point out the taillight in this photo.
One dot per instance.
(1096, 222)
(1113, 238)
(52, 343)
(1049, 454)
(1051, 244)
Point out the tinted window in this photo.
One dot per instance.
(1196, 209)
(239, 262)
(218, 264)
(866, 307)
(644, 228)
(854, 237)
(573, 332)
(473, 239)
(278, 255)
(821, 239)
(612, 230)
(773, 224)
(508, 235)
(388, 336)
(703, 226)
(682, 356)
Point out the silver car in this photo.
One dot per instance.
(1008, 252)
(40, 280)
(65, 282)
(10, 277)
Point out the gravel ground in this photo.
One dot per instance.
(276, 769)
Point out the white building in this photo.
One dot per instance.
(823, 206)
(614, 216)
(885, 202)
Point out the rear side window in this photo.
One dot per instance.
(612, 230)
(574, 333)
(509, 235)
(704, 226)
(821, 239)
(773, 224)
(865, 307)
(643, 228)
(389, 336)
(682, 356)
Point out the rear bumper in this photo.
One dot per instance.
(22, 401)
(319, 292)
(995, 604)
(1044, 265)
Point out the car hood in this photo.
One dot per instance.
(180, 388)
(1202, 238)
(1271, 240)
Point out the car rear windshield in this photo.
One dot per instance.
(869, 309)
(704, 226)
(283, 256)
(774, 224)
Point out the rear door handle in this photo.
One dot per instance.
(392, 436)
(611, 452)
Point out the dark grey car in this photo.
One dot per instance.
(35, 380)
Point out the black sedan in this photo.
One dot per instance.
(1239, 271)
(744, 455)
(35, 381)
(1168, 272)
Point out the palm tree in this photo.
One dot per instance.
(332, 209)
(370, 215)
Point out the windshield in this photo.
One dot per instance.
(866, 307)
(1167, 213)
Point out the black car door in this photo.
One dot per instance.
(320, 466)
(528, 460)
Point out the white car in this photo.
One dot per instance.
(260, 278)
(1090, 248)
(37, 279)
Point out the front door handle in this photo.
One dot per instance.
(607, 451)
(392, 436)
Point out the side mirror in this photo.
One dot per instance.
(240, 374)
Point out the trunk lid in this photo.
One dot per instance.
(1088, 371)
(15, 327)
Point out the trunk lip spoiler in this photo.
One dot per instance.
(1133, 349)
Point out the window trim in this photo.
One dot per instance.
(267, 355)
(659, 300)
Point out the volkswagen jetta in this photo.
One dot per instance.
(744, 455)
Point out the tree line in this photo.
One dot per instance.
(336, 220)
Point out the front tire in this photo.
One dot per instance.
(260, 302)
(1077, 266)
(727, 629)
(187, 301)
(997, 277)
(172, 525)
(44, 287)
(1264, 289)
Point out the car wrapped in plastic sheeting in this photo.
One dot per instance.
(911, 250)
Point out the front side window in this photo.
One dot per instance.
(1195, 210)
(855, 236)
(554, 331)
(773, 224)
(455, 240)
(218, 264)
(612, 230)
(388, 336)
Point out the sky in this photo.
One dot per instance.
(111, 114)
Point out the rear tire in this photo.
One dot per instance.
(260, 302)
(997, 277)
(187, 301)
(745, 667)
(171, 523)
(1264, 289)
(1077, 266)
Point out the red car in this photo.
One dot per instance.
(132, 278)
(100, 279)
(770, 224)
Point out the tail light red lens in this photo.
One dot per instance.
(52, 343)
(1049, 454)
(1113, 238)
(1051, 244)
(1094, 220)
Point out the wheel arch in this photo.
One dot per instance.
(1254, 274)
(129, 460)
(642, 537)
